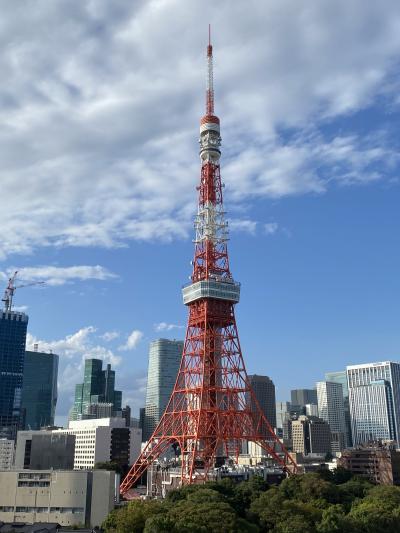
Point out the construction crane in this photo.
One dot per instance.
(11, 288)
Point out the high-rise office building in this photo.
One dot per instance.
(311, 435)
(164, 360)
(93, 396)
(264, 390)
(331, 409)
(12, 352)
(374, 395)
(282, 412)
(302, 397)
(341, 377)
(39, 392)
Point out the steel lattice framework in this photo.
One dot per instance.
(208, 416)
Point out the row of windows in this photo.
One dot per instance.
(35, 475)
(19, 509)
(33, 483)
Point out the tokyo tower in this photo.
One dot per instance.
(207, 417)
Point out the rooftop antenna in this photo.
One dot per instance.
(210, 81)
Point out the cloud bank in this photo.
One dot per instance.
(101, 106)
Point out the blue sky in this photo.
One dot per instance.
(99, 164)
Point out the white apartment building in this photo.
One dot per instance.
(99, 440)
(6, 454)
(374, 397)
(331, 409)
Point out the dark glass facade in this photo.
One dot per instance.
(52, 451)
(264, 390)
(13, 327)
(302, 397)
(39, 393)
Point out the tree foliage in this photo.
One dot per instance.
(321, 502)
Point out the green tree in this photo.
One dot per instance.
(132, 517)
(109, 465)
(356, 488)
(159, 523)
(207, 517)
(246, 492)
(334, 520)
(310, 488)
(276, 512)
(341, 475)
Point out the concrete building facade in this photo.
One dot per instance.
(6, 454)
(310, 435)
(379, 464)
(164, 360)
(103, 440)
(374, 397)
(69, 498)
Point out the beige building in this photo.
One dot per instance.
(6, 454)
(67, 497)
(311, 435)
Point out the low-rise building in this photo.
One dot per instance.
(69, 498)
(379, 463)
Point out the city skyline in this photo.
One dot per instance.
(315, 245)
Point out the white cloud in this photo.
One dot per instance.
(110, 336)
(133, 340)
(53, 275)
(104, 144)
(164, 326)
(271, 227)
(244, 225)
(73, 350)
(82, 343)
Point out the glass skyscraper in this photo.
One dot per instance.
(164, 360)
(374, 395)
(39, 393)
(341, 377)
(97, 392)
(331, 409)
(13, 327)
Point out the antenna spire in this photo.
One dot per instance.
(210, 81)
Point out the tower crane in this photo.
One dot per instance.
(11, 288)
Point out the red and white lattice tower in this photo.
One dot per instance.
(208, 416)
